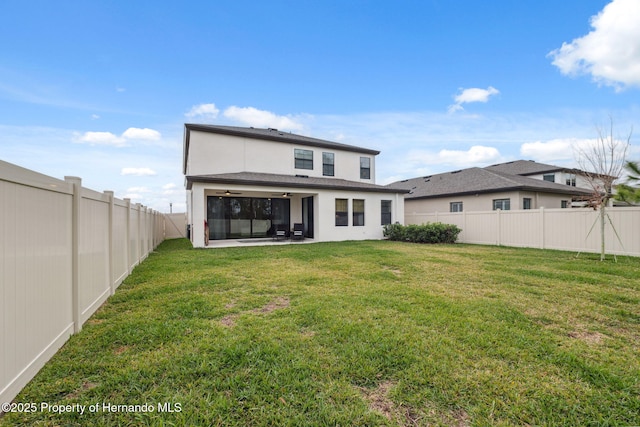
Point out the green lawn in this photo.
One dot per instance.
(355, 333)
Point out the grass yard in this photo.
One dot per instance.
(355, 334)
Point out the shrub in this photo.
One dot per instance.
(431, 232)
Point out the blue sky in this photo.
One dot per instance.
(102, 89)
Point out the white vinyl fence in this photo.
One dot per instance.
(576, 229)
(64, 250)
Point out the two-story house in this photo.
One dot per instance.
(243, 183)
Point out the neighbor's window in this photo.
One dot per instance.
(328, 164)
(342, 212)
(365, 168)
(455, 207)
(502, 204)
(571, 179)
(564, 204)
(304, 158)
(385, 212)
(358, 212)
(526, 203)
(551, 177)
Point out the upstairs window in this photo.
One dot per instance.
(551, 177)
(571, 179)
(304, 158)
(502, 204)
(358, 212)
(328, 160)
(385, 212)
(455, 207)
(365, 168)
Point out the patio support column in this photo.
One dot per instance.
(199, 212)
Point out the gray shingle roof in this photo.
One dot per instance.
(296, 181)
(526, 167)
(479, 180)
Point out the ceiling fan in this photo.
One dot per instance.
(227, 193)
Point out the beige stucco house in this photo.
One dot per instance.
(485, 189)
(245, 183)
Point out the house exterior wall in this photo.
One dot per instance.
(484, 202)
(325, 229)
(211, 153)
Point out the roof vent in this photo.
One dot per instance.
(273, 129)
(458, 171)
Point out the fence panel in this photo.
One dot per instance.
(562, 229)
(63, 250)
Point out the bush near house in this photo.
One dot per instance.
(431, 232)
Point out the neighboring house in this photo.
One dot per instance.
(549, 173)
(247, 182)
(482, 189)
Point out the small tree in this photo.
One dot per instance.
(630, 191)
(603, 163)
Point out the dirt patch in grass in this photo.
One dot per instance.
(379, 401)
(120, 349)
(277, 304)
(87, 385)
(229, 320)
(392, 270)
(588, 337)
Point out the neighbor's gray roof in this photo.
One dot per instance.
(479, 180)
(527, 167)
(269, 135)
(296, 181)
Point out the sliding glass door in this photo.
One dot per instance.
(245, 217)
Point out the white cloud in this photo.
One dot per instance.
(610, 53)
(101, 138)
(138, 171)
(476, 155)
(108, 138)
(552, 150)
(203, 113)
(251, 116)
(95, 117)
(473, 94)
(169, 186)
(141, 134)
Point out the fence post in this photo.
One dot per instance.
(109, 195)
(127, 234)
(543, 226)
(464, 224)
(138, 245)
(75, 249)
(499, 227)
